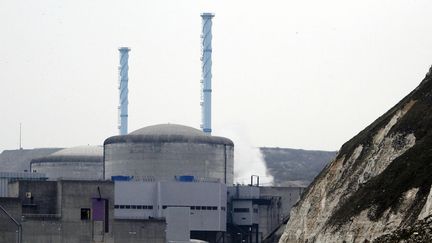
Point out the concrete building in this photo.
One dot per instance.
(164, 151)
(71, 211)
(255, 213)
(206, 203)
(18, 160)
(7, 177)
(82, 162)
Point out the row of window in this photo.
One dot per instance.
(165, 206)
(133, 206)
(198, 207)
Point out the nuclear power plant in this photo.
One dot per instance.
(162, 152)
(161, 183)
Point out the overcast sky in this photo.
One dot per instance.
(298, 74)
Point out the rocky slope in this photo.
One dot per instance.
(380, 180)
(295, 167)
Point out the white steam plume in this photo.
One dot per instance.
(248, 159)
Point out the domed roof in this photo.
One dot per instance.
(168, 133)
(168, 129)
(75, 154)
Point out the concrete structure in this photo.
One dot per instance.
(18, 160)
(148, 200)
(71, 212)
(124, 91)
(165, 151)
(178, 224)
(6, 177)
(255, 213)
(83, 162)
(206, 71)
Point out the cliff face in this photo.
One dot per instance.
(379, 181)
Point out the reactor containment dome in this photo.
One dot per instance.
(162, 152)
(77, 163)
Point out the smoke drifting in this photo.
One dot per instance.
(248, 159)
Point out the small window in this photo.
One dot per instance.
(134, 207)
(197, 207)
(116, 206)
(214, 208)
(150, 207)
(192, 207)
(138, 207)
(85, 213)
(122, 206)
(164, 207)
(209, 208)
(127, 206)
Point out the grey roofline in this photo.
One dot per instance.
(168, 139)
(69, 158)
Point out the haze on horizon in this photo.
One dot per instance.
(298, 74)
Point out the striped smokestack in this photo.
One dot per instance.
(206, 72)
(123, 88)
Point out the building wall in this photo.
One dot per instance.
(138, 231)
(164, 161)
(70, 170)
(6, 177)
(206, 200)
(274, 214)
(77, 195)
(19, 160)
(57, 217)
(37, 197)
(289, 196)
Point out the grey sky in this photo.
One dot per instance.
(300, 74)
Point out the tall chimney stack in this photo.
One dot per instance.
(123, 88)
(206, 73)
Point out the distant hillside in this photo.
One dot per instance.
(19, 160)
(295, 167)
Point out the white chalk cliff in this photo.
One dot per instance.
(380, 180)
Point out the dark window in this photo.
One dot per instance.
(85, 213)
(214, 208)
(192, 207)
(209, 208)
(133, 206)
(139, 207)
(121, 206)
(198, 207)
(127, 206)
(116, 206)
(241, 210)
(164, 207)
(150, 207)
